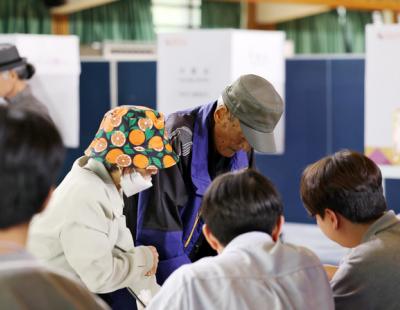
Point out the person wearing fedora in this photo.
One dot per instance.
(210, 140)
(14, 71)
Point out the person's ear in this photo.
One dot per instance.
(212, 241)
(332, 218)
(13, 75)
(221, 114)
(278, 228)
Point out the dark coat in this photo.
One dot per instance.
(168, 213)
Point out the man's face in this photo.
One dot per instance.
(6, 83)
(228, 135)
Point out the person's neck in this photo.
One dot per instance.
(18, 87)
(15, 235)
(355, 233)
(216, 141)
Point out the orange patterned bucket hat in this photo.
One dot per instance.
(133, 136)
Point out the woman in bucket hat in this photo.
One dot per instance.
(83, 230)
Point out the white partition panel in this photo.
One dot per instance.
(56, 81)
(195, 66)
(382, 94)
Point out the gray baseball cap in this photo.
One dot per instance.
(258, 106)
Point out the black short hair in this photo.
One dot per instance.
(240, 202)
(346, 182)
(31, 155)
(25, 72)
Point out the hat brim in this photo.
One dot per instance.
(12, 65)
(263, 142)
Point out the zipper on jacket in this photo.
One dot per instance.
(192, 231)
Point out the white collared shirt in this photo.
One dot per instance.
(252, 272)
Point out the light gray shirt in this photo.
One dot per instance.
(25, 284)
(252, 272)
(369, 276)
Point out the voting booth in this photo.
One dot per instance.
(56, 81)
(382, 94)
(195, 66)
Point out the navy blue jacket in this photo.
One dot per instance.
(168, 213)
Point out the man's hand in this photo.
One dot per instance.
(330, 271)
(153, 270)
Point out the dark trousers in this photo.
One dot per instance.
(120, 300)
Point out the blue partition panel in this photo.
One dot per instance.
(137, 83)
(325, 113)
(306, 132)
(347, 104)
(94, 96)
(392, 189)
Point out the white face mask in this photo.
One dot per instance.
(134, 183)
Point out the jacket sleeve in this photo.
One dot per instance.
(88, 239)
(160, 212)
(349, 284)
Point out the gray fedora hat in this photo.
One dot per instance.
(258, 106)
(9, 57)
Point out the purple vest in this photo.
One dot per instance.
(199, 172)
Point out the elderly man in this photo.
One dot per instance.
(210, 140)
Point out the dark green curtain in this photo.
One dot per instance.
(121, 20)
(216, 14)
(328, 32)
(24, 16)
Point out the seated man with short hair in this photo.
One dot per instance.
(254, 270)
(344, 192)
(30, 157)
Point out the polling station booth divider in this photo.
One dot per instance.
(135, 84)
(324, 114)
